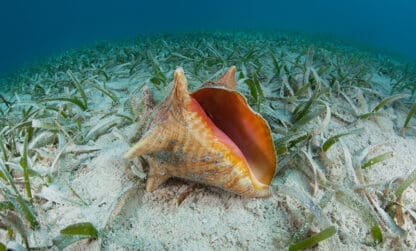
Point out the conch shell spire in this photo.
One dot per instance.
(151, 140)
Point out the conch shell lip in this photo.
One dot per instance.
(230, 112)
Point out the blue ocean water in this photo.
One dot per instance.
(31, 30)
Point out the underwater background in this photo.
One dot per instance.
(35, 29)
(332, 85)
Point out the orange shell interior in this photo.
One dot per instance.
(247, 130)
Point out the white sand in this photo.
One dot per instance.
(210, 218)
(113, 199)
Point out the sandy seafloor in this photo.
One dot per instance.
(129, 218)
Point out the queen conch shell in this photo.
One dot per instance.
(210, 136)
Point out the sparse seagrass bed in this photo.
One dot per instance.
(343, 124)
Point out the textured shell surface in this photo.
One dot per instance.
(210, 136)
